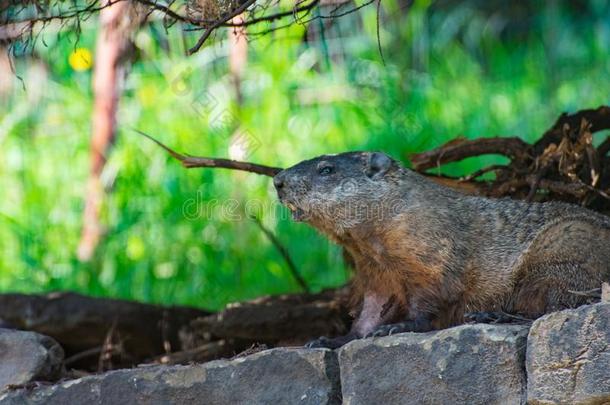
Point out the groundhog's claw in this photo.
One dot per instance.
(388, 330)
(417, 325)
(493, 317)
(329, 343)
(320, 342)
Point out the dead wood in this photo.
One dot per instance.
(290, 319)
(84, 326)
(599, 118)
(562, 165)
(102, 334)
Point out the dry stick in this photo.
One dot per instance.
(284, 252)
(108, 348)
(206, 352)
(197, 161)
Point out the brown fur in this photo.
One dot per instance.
(433, 253)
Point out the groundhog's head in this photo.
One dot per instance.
(338, 191)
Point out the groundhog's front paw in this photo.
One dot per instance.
(416, 325)
(493, 317)
(387, 330)
(329, 343)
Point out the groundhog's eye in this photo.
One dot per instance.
(325, 170)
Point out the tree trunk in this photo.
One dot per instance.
(238, 54)
(113, 44)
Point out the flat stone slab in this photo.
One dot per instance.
(568, 357)
(277, 376)
(469, 364)
(27, 357)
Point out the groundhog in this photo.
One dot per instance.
(425, 254)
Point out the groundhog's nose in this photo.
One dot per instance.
(278, 181)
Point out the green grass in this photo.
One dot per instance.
(437, 83)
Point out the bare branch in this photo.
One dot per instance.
(461, 148)
(258, 14)
(224, 19)
(197, 161)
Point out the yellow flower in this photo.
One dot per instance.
(81, 59)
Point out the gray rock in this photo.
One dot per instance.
(568, 357)
(27, 357)
(277, 376)
(469, 364)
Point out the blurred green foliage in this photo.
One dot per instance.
(174, 236)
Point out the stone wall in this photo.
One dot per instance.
(564, 358)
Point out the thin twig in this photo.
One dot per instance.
(90, 9)
(284, 252)
(197, 161)
(331, 15)
(299, 11)
(276, 16)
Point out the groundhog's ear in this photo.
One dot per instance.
(377, 165)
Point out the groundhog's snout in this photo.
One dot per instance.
(283, 191)
(281, 186)
(278, 181)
